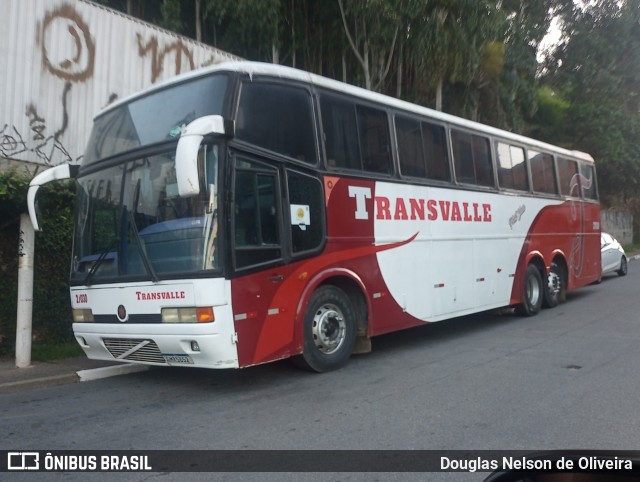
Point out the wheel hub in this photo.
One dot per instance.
(328, 328)
(533, 291)
(554, 283)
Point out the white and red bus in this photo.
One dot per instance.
(249, 212)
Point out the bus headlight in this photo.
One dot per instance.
(188, 315)
(83, 315)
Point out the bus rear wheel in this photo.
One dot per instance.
(329, 330)
(533, 292)
(556, 289)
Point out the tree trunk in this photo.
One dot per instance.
(365, 66)
(344, 68)
(399, 73)
(439, 88)
(198, 20)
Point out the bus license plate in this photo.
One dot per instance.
(183, 359)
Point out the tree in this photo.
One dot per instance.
(598, 69)
(371, 28)
(170, 15)
(249, 28)
(445, 42)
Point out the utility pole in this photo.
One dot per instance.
(25, 292)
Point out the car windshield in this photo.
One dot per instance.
(131, 222)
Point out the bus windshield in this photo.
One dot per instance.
(130, 221)
(155, 118)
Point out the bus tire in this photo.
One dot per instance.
(556, 287)
(533, 292)
(329, 330)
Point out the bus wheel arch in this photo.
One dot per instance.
(533, 289)
(334, 325)
(556, 283)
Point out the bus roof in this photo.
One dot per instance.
(283, 72)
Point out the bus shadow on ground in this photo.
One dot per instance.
(255, 379)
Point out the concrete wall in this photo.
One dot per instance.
(619, 224)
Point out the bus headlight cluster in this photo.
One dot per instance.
(82, 315)
(188, 315)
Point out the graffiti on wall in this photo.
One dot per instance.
(76, 63)
(67, 50)
(177, 49)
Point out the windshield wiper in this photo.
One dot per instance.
(98, 262)
(136, 235)
(143, 252)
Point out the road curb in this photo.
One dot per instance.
(48, 381)
(111, 371)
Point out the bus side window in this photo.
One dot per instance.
(568, 172)
(422, 149)
(482, 161)
(307, 219)
(588, 182)
(355, 136)
(472, 158)
(374, 139)
(410, 147)
(435, 147)
(463, 157)
(512, 170)
(543, 174)
(340, 133)
(256, 216)
(278, 118)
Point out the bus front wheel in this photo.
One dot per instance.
(533, 292)
(329, 330)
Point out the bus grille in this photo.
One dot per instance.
(135, 350)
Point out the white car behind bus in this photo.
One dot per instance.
(613, 255)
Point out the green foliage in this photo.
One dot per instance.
(250, 28)
(170, 15)
(549, 122)
(13, 193)
(598, 68)
(472, 58)
(51, 307)
(52, 351)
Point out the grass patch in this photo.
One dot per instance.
(45, 352)
(630, 248)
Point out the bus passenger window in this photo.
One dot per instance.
(543, 174)
(588, 182)
(482, 161)
(340, 133)
(435, 147)
(278, 118)
(374, 140)
(472, 158)
(512, 170)
(410, 147)
(422, 149)
(568, 172)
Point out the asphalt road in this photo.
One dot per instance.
(565, 379)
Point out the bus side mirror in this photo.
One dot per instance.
(61, 172)
(187, 151)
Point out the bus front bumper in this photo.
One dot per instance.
(161, 345)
